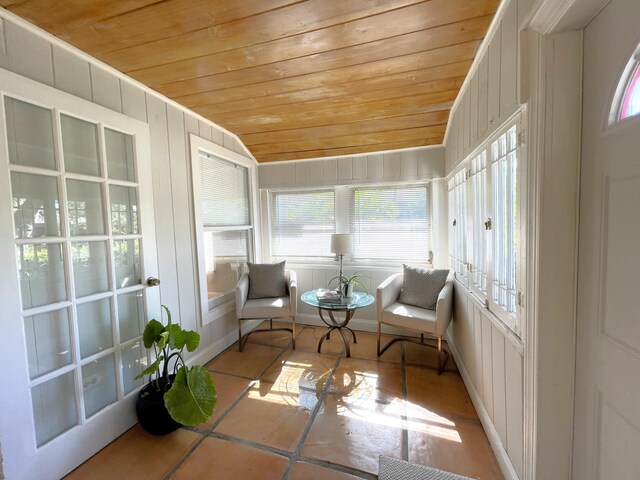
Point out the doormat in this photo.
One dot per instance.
(396, 469)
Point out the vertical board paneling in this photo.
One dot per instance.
(105, 89)
(217, 136)
(487, 367)
(494, 80)
(359, 168)
(163, 202)
(466, 123)
(478, 343)
(483, 97)
(134, 101)
(227, 141)
(473, 112)
(374, 167)
(205, 130)
(524, 7)
(71, 73)
(391, 165)
(289, 174)
(330, 170)
(345, 169)
(499, 389)
(183, 218)
(514, 404)
(276, 175)
(409, 164)
(264, 179)
(27, 54)
(315, 170)
(509, 61)
(302, 174)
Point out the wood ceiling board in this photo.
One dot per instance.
(430, 102)
(436, 131)
(337, 129)
(411, 80)
(200, 43)
(166, 19)
(212, 73)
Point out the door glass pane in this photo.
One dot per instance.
(80, 146)
(29, 134)
(90, 267)
(94, 327)
(131, 315)
(48, 342)
(99, 385)
(54, 407)
(41, 270)
(85, 208)
(126, 257)
(119, 148)
(134, 360)
(124, 210)
(36, 208)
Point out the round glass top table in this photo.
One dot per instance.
(346, 305)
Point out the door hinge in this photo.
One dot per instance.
(520, 139)
(519, 298)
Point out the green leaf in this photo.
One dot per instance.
(166, 309)
(192, 397)
(192, 340)
(152, 333)
(177, 337)
(151, 369)
(164, 338)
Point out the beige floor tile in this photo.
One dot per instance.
(307, 471)
(228, 388)
(427, 357)
(128, 456)
(457, 446)
(301, 369)
(270, 415)
(442, 394)
(216, 458)
(365, 348)
(276, 339)
(355, 434)
(359, 378)
(250, 363)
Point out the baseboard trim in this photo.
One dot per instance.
(499, 451)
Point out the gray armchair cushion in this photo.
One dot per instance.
(421, 286)
(266, 280)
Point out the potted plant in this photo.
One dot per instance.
(176, 394)
(346, 284)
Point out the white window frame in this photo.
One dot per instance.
(209, 313)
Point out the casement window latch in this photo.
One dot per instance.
(487, 224)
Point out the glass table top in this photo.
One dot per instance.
(357, 300)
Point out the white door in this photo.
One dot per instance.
(76, 247)
(607, 406)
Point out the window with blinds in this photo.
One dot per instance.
(302, 223)
(390, 223)
(224, 188)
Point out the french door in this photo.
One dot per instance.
(76, 247)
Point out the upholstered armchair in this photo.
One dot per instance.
(413, 318)
(268, 308)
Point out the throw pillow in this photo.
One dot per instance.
(266, 280)
(421, 286)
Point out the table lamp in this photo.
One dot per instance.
(341, 244)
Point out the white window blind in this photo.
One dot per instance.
(457, 224)
(224, 192)
(390, 223)
(504, 166)
(478, 215)
(302, 223)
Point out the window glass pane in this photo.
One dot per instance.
(94, 327)
(226, 255)
(120, 163)
(54, 407)
(477, 245)
(80, 146)
(48, 342)
(302, 223)
(134, 360)
(84, 204)
(124, 210)
(41, 269)
(90, 267)
(390, 223)
(36, 208)
(126, 257)
(225, 192)
(29, 134)
(631, 99)
(99, 385)
(131, 315)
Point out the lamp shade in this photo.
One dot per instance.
(341, 243)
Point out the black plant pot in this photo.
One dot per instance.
(150, 409)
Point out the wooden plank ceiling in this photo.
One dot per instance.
(294, 79)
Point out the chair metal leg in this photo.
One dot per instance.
(443, 355)
(293, 333)
(378, 348)
(240, 335)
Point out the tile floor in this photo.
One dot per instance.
(299, 415)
